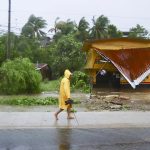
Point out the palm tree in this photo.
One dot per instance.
(33, 27)
(66, 27)
(63, 28)
(99, 29)
(82, 32)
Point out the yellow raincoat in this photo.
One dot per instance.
(64, 90)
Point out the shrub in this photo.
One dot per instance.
(19, 76)
(80, 81)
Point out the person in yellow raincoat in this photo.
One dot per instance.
(64, 95)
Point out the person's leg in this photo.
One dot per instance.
(69, 113)
(56, 114)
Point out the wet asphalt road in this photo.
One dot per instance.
(75, 139)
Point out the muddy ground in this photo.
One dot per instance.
(125, 99)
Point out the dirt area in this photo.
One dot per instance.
(121, 100)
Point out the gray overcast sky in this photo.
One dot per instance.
(122, 13)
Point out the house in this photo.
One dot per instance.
(117, 62)
(45, 70)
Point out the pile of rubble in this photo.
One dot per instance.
(106, 101)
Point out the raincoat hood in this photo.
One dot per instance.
(67, 73)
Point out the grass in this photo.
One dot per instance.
(52, 85)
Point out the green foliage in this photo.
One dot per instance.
(138, 32)
(80, 81)
(29, 101)
(113, 32)
(2, 49)
(66, 27)
(82, 32)
(19, 76)
(3, 46)
(100, 27)
(32, 28)
(23, 48)
(63, 28)
(67, 55)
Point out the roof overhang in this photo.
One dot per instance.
(116, 44)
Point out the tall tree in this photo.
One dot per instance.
(113, 32)
(99, 29)
(24, 48)
(138, 32)
(82, 32)
(66, 27)
(33, 28)
(67, 54)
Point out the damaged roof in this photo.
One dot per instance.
(130, 56)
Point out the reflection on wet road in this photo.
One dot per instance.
(75, 139)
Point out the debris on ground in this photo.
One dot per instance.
(99, 101)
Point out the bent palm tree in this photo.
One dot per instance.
(99, 29)
(82, 30)
(33, 27)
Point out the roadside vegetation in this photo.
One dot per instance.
(19, 76)
(79, 82)
(28, 100)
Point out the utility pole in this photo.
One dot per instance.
(9, 26)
